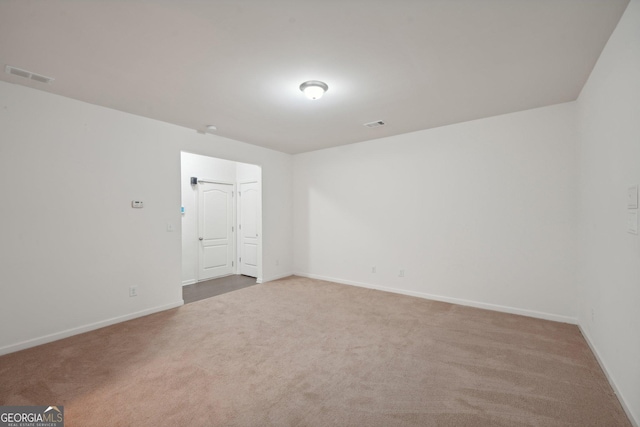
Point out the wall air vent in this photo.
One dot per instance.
(27, 74)
(374, 124)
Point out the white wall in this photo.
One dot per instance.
(247, 173)
(71, 243)
(609, 275)
(480, 213)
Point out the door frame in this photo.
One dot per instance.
(190, 166)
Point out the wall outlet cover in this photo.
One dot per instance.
(632, 221)
(632, 197)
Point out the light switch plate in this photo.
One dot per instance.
(632, 197)
(632, 221)
(137, 204)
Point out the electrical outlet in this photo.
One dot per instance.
(401, 273)
(373, 269)
(277, 262)
(632, 197)
(593, 315)
(133, 291)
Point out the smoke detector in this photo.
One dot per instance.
(375, 124)
(14, 71)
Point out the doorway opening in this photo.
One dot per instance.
(221, 219)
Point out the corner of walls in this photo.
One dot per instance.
(479, 213)
(609, 257)
(621, 398)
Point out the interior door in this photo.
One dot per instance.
(248, 228)
(215, 230)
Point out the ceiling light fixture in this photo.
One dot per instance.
(314, 89)
(211, 128)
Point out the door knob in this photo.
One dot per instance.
(199, 238)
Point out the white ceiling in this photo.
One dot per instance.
(415, 64)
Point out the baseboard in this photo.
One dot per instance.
(476, 304)
(85, 328)
(276, 277)
(189, 282)
(623, 403)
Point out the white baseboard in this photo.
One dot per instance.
(189, 282)
(276, 277)
(623, 403)
(476, 304)
(85, 328)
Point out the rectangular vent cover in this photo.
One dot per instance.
(27, 74)
(375, 124)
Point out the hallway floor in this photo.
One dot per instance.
(213, 287)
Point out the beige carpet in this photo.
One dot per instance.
(302, 352)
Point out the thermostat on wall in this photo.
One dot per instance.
(137, 204)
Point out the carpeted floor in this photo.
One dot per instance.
(302, 352)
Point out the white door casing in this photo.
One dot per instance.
(248, 228)
(215, 229)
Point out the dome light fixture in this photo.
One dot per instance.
(314, 89)
(211, 128)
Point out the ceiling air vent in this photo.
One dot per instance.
(375, 124)
(27, 74)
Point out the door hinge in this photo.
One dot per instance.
(239, 226)
(239, 193)
(232, 194)
(233, 229)
(240, 261)
(231, 263)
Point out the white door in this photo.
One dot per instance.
(248, 228)
(215, 229)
